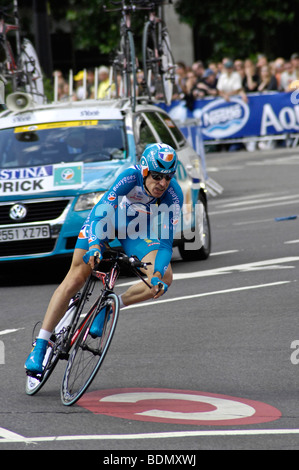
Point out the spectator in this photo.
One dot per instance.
(268, 81)
(79, 89)
(190, 83)
(287, 76)
(90, 83)
(229, 82)
(141, 85)
(198, 69)
(277, 69)
(180, 79)
(189, 89)
(295, 65)
(57, 74)
(261, 61)
(208, 85)
(239, 67)
(214, 67)
(251, 79)
(104, 86)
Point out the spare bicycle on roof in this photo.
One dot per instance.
(157, 58)
(20, 68)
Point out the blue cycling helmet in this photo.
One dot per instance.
(160, 158)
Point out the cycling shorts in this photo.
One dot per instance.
(139, 247)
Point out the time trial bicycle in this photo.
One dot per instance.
(158, 61)
(71, 339)
(124, 63)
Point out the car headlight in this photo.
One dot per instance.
(87, 201)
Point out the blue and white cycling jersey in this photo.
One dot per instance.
(127, 212)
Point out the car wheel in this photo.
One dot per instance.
(198, 248)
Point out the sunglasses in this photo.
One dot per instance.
(159, 176)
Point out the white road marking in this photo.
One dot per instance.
(262, 206)
(6, 332)
(206, 294)
(153, 435)
(9, 436)
(249, 222)
(224, 252)
(272, 263)
(291, 241)
(257, 200)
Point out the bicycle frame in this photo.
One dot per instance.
(108, 279)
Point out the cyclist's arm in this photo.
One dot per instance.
(94, 253)
(174, 200)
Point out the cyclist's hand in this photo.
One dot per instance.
(159, 287)
(91, 256)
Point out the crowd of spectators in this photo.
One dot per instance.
(83, 87)
(236, 77)
(226, 78)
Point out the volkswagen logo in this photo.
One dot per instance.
(17, 212)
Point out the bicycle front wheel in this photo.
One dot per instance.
(35, 382)
(88, 353)
(130, 80)
(150, 59)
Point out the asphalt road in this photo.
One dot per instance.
(213, 365)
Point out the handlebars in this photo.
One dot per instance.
(121, 258)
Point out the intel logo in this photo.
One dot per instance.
(220, 119)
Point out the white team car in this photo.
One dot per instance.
(56, 160)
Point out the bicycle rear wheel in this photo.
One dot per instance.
(150, 63)
(88, 353)
(130, 81)
(167, 69)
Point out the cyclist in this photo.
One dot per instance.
(138, 190)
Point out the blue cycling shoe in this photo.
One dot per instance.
(96, 328)
(35, 359)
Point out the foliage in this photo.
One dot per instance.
(234, 28)
(92, 26)
(224, 27)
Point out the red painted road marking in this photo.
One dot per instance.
(178, 407)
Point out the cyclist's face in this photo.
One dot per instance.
(156, 188)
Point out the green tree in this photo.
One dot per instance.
(221, 27)
(92, 26)
(239, 28)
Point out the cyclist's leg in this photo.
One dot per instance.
(146, 250)
(58, 305)
(73, 281)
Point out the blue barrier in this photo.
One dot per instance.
(264, 114)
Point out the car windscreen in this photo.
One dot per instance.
(62, 142)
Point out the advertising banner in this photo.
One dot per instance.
(271, 113)
(37, 179)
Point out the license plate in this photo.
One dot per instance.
(24, 233)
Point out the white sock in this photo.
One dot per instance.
(44, 334)
(121, 304)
